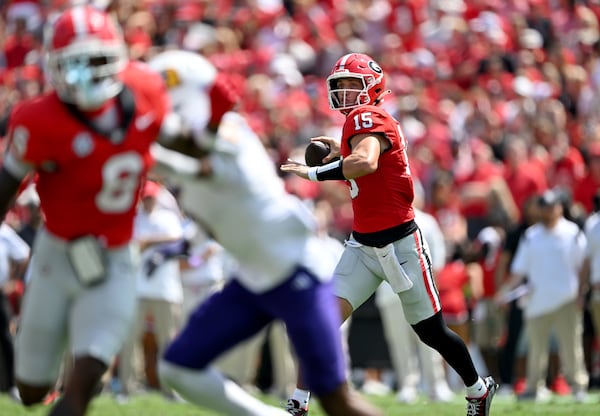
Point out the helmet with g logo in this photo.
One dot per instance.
(363, 68)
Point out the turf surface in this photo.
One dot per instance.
(155, 405)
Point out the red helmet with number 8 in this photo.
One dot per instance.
(363, 68)
(85, 52)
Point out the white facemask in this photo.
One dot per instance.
(86, 92)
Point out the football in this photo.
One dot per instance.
(315, 152)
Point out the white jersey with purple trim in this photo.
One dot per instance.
(244, 203)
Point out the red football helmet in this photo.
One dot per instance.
(359, 66)
(85, 52)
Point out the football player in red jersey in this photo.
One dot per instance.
(88, 141)
(386, 243)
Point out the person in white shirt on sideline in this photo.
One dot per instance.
(14, 255)
(412, 360)
(159, 290)
(204, 270)
(594, 217)
(551, 254)
(591, 267)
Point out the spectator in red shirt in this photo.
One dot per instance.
(453, 281)
(404, 20)
(522, 177)
(563, 163)
(475, 187)
(586, 187)
(18, 44)
(445, 207)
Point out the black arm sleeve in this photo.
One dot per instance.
(165, 252)
(174, 249)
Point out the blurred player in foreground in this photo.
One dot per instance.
(386, 243)
(235, 191)
(88, 141)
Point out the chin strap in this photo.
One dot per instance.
(379, 98)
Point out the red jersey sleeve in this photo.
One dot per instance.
(25, 133)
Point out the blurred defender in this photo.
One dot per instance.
(235, 191)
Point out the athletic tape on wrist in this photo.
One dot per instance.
(330, 171)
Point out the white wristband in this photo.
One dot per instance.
(312, 174)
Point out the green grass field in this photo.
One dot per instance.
(155, 405)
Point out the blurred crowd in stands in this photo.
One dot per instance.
(499, 99)
(500, 96)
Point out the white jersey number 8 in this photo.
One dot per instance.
(121, 175)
